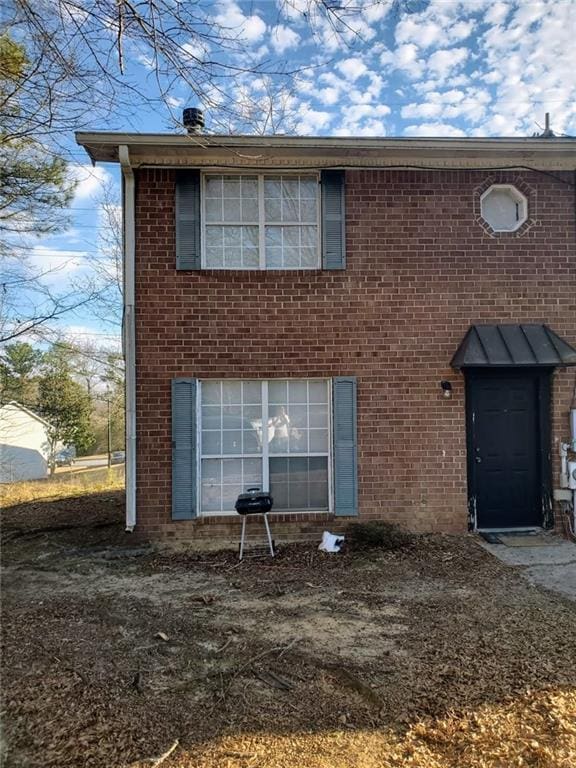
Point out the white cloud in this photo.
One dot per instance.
(147, 62)
(283, 38)
(90, 180)
(196, 49)
(497, 13)
(233, 20)
(406, 58)
(56, 260)
(410, 30)
(352, 68)
(312, 121)
(374, 12)
(328, 96)
(433, 129)
(174, 102)
(441, 63)
(86, 334)
(362, 120)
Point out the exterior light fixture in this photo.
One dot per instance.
(446, 388)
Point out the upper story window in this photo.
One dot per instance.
(504, 207)
(265, 221)
(261, 222)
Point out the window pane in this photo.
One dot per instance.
(232, 210)
(229, 495)
(232, 392)
(211, 417)
(318, 415)
(273, 237)
(273, 210)
(318, 391)
(290, 210)
(232, 442)
(274, 258)
(293, 247)
(214, 187)
(318, 440)
(252, 392)
(298, 391)
(308, 258)
(232, 417)
(213, 210)
(272, 187)
(278, 429)
(224, 479)
(211, 471)
(232, 471)
(214, 258)
(249, 187)
(278, 392)
(252, 441)
(211, 393)
(298, 440)
(211, 442)
(211, 498)
(299, 416)
(299, 483)
(309, 236)
(309, 187)
(252, 473)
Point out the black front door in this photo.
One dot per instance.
(508, 453)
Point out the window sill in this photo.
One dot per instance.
(284, 271)
(279, 515)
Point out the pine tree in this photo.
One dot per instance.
(65, 405)
(19, 369)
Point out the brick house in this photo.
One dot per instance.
(370, 328)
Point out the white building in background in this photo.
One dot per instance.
(24, 444)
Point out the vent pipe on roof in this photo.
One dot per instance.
(547, 133)
(193, 120)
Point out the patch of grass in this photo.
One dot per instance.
(377, 534)
(62, 486)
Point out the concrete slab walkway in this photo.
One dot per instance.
(552, 566)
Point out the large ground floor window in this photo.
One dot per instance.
(275, 435)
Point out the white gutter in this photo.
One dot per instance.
(129, 333)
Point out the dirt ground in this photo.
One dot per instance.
(114, 655)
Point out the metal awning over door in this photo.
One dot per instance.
(512, 345)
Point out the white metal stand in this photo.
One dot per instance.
(268, 534)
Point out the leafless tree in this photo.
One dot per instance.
(28, 301)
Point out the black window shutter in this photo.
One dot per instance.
(184, 449)
(345, 446)
(333, 220)
(188, 220)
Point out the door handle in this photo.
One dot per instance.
(478, 460)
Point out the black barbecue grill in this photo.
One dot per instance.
(254, 502)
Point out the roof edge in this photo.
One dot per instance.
(28, 411)
(146, 148)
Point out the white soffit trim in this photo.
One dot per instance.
(167, 150)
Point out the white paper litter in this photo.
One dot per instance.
(330, 542)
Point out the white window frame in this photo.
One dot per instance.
(265, 454)
(520, 200)
(261, 224)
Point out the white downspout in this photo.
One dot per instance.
(129, 334)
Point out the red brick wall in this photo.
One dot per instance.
(420, 270)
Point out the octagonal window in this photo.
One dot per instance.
(504, 207)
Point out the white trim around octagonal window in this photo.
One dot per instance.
(504, 207)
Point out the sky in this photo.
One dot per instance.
(408, 68)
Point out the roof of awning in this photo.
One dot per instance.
(512, 345)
